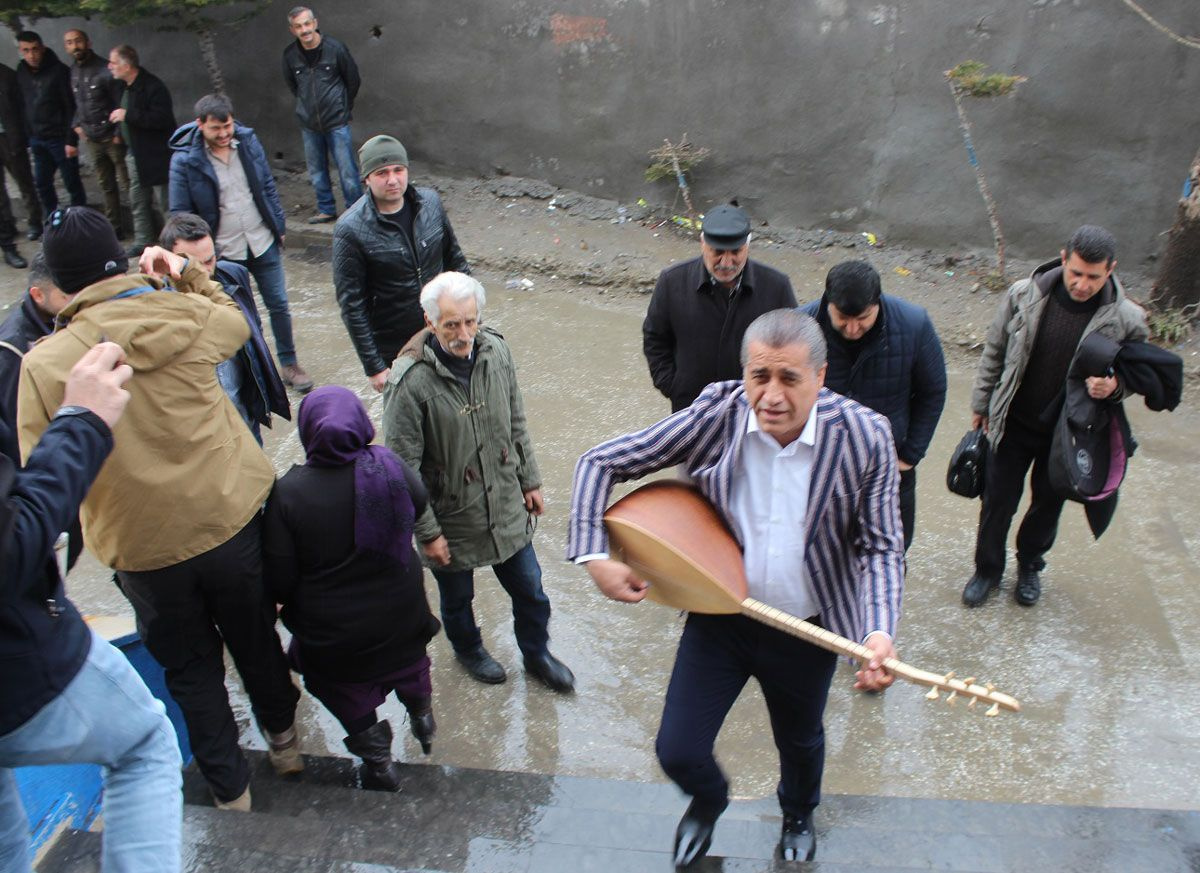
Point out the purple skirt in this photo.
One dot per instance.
(350, 701)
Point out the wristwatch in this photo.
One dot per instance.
(64, 411)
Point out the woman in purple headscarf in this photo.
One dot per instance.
(340, 559)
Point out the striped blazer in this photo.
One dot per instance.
(854, 551)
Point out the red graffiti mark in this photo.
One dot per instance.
(577, 28)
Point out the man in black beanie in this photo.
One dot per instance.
(175, 509)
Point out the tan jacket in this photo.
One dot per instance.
(185, 474)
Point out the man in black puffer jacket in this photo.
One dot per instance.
(884, 353)
(49, 105)
(385, 248)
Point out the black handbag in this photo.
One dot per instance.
(967, 464)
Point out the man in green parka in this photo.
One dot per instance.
(453, 411)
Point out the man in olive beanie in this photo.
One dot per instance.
(378, 270)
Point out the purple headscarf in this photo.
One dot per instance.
(335, 430)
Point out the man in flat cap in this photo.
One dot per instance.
(378, 267)
(693, 330)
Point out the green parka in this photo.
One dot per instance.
(472, 449)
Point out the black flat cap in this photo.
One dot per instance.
(726, 227)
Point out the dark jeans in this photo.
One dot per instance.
(184, 614)
(717, 655)
(108, 161)
(267, 270)
(16, 161)
(1002, 491)
(521, 576)
(908, 504)
(50, 156)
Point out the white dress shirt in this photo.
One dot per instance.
(769, 508)
(241, 231)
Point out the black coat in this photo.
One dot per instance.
(150, 120)
(48, 100)
(96, 96)
(692, 337)
(355, 616)
(378, 276)
(24, 326)
(43, 640)
(12, 109)
(899, 371)
(325, 91)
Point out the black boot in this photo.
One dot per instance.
(694, 834)
(421, 722)
(797, 842)
(379, 772)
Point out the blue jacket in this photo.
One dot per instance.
(899, 372)
(43, 640)
(193, 184)
(263, 392)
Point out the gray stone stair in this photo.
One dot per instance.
(450, 820)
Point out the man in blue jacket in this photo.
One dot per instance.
(66, 695)
(249, 377)
(884, 353)
(219, 171)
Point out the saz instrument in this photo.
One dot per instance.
(673, 537)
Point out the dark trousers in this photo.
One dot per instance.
(521, 577)
(108, 162)
(908, 504)
(354, 703)
(184, 614)
(49, 156)
(1003, 487)
(16, 162)
(717, 655)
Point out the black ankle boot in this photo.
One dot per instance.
(379, 772)
(421, 722)
(694, 834)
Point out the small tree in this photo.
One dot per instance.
(969, 79)
(192, 16)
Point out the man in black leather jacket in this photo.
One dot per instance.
(95, 99)
(385, 248)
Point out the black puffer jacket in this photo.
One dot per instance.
(12, 109)
(378, 277)
(24, 326)
(49, 103)
(325, 91)
(899, 372)
(95, 97)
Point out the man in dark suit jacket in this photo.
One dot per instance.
(693, 330)
(146, 119)
(14, 157)
(806, 480)
(884, 353)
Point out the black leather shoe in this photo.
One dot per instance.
(14, 259)
(553, 673)
(34, 233)
(798, 842)
(695, 832)
(978, 589)
(482, 666)
(1029, 587)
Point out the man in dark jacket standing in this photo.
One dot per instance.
(95, 99)
(693, 330)
(323, 78)
(49, 115)
(220, 172)
(884, 353)
(249, 377)
(66, 695)
(14, 157)
(378, 269)
(145, 118)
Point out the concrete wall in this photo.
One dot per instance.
(819, 113)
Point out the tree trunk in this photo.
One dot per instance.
(1178, 282)
(980, 180)
(208, 51)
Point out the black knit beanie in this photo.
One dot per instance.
(81, 248)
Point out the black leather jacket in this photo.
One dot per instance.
(378, 277)
(49, 103)
(324, 92)
(95, 97)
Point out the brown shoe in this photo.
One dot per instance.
(322, 218)
(241, 803)
(283, 751)
(295, 377)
